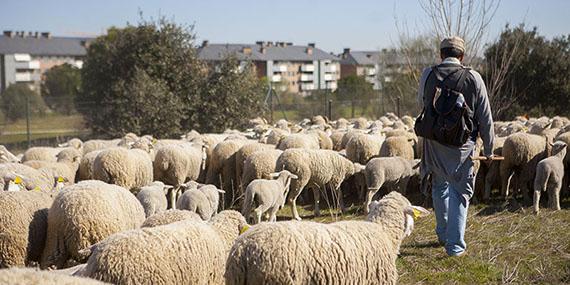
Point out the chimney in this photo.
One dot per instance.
(246, 50)
(36, 35)
(312, 45)
(289, 43)
(345, 52)
(260, 43)
(269, 44)
(262, 50)
(309, 50)
(8, 34)
(205, 43)
(46, 35)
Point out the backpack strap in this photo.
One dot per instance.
(441, 79)
(460, 84)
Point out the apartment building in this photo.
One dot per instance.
(25, 57)
(290, 68)
(362, 63)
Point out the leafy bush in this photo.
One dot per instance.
(14, 101)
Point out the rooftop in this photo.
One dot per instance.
(44, 44)
(263, 51)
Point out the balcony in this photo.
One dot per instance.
(332, 85)
(22, 57)
(307, 68)
(308, 86)
(330, 68)
(279, 68)
(276, 78)
(23, 77)
(33, 64)
(307, 77)
(329, 77)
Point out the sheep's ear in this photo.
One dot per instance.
(293, 176)
(221, 191)
(63, 145)
(274, 174)
(416, 211)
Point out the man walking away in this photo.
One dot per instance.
(455, 111)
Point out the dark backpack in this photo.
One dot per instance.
(448, 118)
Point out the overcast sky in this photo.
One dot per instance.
(332, 24)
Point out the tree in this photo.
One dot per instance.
(14, 101)
(60, 87)
(229, 97)
(157, 62)
(538, 81)
(355, 89)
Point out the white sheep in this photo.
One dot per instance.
(6, 156)
(185, 252)
(259, 165)
(23, 227)
(352, 252)
(388, 172)
(27, 276)
(168, 217)
(43, 179)
(129, 168)
(84, 214)
(201, 199)
(315, 167)
(549, 176)
(66, 165)
(270, 195)
(153, 197)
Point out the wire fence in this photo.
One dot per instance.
(55, 120)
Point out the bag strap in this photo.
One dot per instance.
(441, 80)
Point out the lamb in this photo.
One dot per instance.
(84, 214)
(169, 217)
(353, 252)
(275, 136)
(522, 153)
(26, 276)
(549, 176)
(362, 147)
(185, 252)
(317, 167)
(397, 146)
(129, 168)
(23, 226)
(66, 166)
(177, 163)
(6, 156)
(153, 198)
(73, 143)
(270, 195)
(201, 199)
(259, 165)
(43, 179)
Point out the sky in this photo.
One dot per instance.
(331, 24)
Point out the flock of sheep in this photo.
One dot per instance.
(137, 210)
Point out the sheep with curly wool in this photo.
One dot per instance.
(153, 197)
(28, 276)
(185, 252)
(6, 156)
(66, 166)
(93, 145)
(175, 164)
(43, 179)
(315, 167)
(23, 227)
(300, 140)
(391, 172)
(549, 176)
(128, 168)
(267, 195)
(41, 153)
(522, 153)
(362, 147)
(352, 252)
(85, 170)
(243, 153)
(168, 217)
(84, 214)
(200, 199)
(397, 146)
(259, 165)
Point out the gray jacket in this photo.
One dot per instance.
(448, 161)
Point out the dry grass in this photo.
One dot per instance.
(504, 247)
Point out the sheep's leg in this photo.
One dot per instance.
(536, 201)
(293, 202)
(338, 191)
(490, 177)
(506, 177)
(258, 214)
(554, 197)
(317, 196)
(273, 217)
(371, 193)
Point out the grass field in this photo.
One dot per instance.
(48, 126)
(504, 247)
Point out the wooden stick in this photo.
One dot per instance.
(485, 158)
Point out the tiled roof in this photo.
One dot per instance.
(43, 46)
(285, 53)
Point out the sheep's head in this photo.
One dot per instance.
(230, 223)
(559, 148)
(15, 182)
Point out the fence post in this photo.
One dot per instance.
(330, 110)
(398, 106)
(28, 135)
(271, 103)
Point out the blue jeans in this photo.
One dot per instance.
(450, 203)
